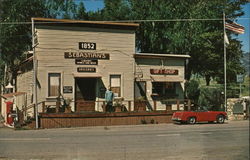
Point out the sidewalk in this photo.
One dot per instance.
(1, 122)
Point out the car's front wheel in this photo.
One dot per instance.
(191, 120)
(220, 119)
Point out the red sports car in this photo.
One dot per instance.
(192, 117)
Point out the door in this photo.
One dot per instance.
(204, 115)
(85, 94)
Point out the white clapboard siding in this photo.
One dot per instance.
(54, 41)
(143, 66)
(25, 84)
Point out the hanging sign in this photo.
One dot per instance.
(86, 69)
(164, 71)
(86, 62)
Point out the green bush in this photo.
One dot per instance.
(211, 98)
(192, 89)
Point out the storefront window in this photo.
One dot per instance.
(157, 88)
(54, 87)
(115, 85)
(163, 89)
(170, 88)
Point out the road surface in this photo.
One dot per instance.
(229, 141)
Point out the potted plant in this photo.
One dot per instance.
(67, 105)
(118, 106)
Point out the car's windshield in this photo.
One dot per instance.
(202, 109)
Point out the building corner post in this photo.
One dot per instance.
(34, 73)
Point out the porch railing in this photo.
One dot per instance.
(122, 106)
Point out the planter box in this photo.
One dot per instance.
(140, 106)
(118, 109)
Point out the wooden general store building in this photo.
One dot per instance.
(78, 60)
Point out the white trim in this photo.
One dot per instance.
(164, 55)
(47, 83)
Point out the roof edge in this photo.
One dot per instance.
(44, 20)
(155, 55)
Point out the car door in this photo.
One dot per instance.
(201, 115)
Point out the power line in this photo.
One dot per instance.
(127, 21)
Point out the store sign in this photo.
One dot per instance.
(86, 69)
(86, 55)
(86, 62)
(87, 46)
(164, 71)
(67, 89)
(240, 78)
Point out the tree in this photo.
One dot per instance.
(60, 8)
(15, 31)
(115, 10)
(81, 12)
(202, 39)
(15, 35)
(246, 62)
(192, 89)
(211, 98)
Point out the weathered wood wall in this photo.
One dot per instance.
(103, 119)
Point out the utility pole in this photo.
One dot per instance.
(34, 73)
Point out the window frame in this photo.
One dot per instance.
(110, 85)
(48, 84)
(163, 88)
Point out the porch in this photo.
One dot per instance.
(124, 113)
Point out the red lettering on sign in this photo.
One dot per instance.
(164, 71)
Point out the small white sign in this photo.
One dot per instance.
(240, 78)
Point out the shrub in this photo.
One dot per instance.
(192, 89)
(211, 98)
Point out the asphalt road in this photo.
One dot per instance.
(229, 141)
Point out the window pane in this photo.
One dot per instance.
(54, 84)
(115, 81)
(170, 88)
(116, 91)
(157, 88)
(115, 84)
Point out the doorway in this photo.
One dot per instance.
(85, 94)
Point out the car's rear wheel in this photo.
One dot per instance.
(191, 120)
(220, 119)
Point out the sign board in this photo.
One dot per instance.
(238, 108)
(85, 55)
(87, 46)
(164, 71)
(240, 78)
(67, 89)
(86, 69)
(86, 62)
